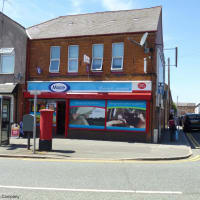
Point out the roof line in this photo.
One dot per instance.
(28, 34)
(124, 33)
(12, 20)
(92, 14)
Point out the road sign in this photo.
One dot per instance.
(86, 59)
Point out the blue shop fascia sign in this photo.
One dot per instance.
(96, 86)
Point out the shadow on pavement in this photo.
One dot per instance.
(16, 146)
(181, 139)
(63, 151)
(60, 153)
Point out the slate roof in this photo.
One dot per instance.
(100, 23)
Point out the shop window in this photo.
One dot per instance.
(97, 57)
(55, 59)
(117, 56)
(122, 115)
(43, 104)
(127, 115)
(87, 114)
(73, 53)
(7, 60)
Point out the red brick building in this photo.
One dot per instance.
(119, 93)
(183, 108)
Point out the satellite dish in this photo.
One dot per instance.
(133, 41)
(142, 43)
(143, 39)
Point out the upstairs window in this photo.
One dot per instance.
(55, 59)
(7, 60)
(97, 57)
(73, 53)
(117, 56)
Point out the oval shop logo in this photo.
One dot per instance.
(142, 85)
(59, 87)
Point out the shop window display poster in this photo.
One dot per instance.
(125, 115)
(87, 114)
(43, 105)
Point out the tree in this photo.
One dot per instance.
(173, 106)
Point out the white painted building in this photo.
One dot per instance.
(197, 109)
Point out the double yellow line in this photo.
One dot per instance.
(193, 141)
(190, 159)
(195, 158)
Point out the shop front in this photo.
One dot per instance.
(95, 108)
(5, 113)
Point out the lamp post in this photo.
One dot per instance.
(35, 93)
(169, 104)
(169, 65)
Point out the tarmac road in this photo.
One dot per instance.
(106, 173)
(65, 179)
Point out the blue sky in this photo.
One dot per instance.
(181, 26)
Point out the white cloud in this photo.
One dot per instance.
(31, 12)
(118, 4)
(76, 7)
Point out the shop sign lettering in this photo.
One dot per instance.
(59, 87)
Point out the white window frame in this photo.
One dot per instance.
(113, 57)
(6, 52)
(97, 58)
(73, 71)
(54, 59)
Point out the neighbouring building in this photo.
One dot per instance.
(102, 73)
(197, 109)
(183, 108)
(167, 105)
(13, 43)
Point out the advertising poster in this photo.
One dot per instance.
(127, 115)
(52, 106)
(43, 105)
(87, 114)
(15, 128)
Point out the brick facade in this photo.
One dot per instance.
(184, 108)
(133, 68)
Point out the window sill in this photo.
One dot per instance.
(117, 71)
(6, 73)
(54, 73)
(72, 73)
(96, 72)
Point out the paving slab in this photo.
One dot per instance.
(63, 148)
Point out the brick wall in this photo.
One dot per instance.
(186, 109)
(133, 68)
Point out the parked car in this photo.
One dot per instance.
(191, 122)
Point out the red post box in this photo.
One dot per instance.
(46, 123)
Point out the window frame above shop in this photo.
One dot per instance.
(73, 59)
(114, 56)
(7, 53)
(94, 57)
(54, 59)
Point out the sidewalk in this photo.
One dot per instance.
(101, 150)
